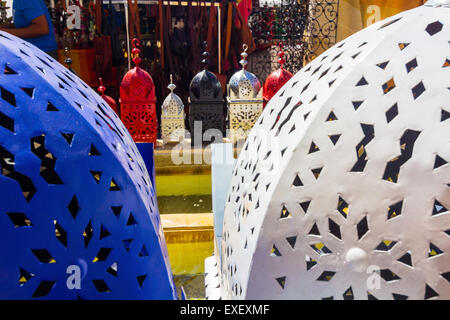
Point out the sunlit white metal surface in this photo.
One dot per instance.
(213, 289)
(342, 188)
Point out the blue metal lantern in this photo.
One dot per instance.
(78, 212)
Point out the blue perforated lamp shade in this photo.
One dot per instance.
(78, 212)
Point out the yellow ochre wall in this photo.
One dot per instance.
(355, 15)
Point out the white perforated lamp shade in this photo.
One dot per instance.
(342, 189)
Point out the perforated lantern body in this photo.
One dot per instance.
(79, 216)
(341, 190)
(244, 104)
(205, 104)
(138, 105)
(274, 82)
(172, 118)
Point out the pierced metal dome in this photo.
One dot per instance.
(79, 218)
(137, 85)
(342, 188)
(244, 85)
(276, 79)
(172, 105)
(205, 87)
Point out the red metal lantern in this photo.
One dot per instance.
(110, 101)
(138, 102)
(276, 79)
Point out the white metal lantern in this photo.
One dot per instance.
(172, 116)
(245, 102)
(342, 190)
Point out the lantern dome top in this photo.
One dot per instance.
(205, 86)
(274, 82)
(325, 190)
(172, 101)
(137, 85)
(244, 85)
(276, 79)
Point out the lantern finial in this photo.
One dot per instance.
(281, 59)
(101, 89)
(205, 55)
(135, 52)
(244, 56)
(68, 61)
(171, 86)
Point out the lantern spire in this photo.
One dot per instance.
(68, 61)
(135, 52)
(244, 56)
(281, 59)
(171, 86)
(205, 55)
(101, 89)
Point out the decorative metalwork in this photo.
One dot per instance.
(244, 101)
(285, 21)
(321, 32)
(172, 116)
(138, 102)
(306, 28)
(263, 62)
(79, 218)
(341, 190)
(205, 102)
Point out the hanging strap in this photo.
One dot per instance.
(98, 16)
(161, 31)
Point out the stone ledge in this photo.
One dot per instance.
(182, 221)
